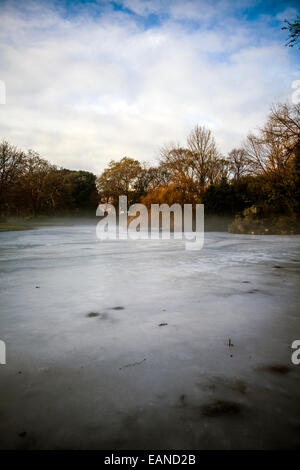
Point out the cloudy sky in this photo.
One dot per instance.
(91, 81)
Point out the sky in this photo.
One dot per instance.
(91, 81)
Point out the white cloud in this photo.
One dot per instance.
(83, 90)
(287, 14)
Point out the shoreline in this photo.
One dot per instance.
(235, 226)
(14, 224)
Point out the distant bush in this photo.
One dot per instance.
(251, 222)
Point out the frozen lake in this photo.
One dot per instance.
(125, 345)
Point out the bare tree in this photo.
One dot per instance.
(204, 156)
(12, 163)
(271, 151)
(193, 168)
(217, 170)
(177, 160)
(238, 163)
(284, 124)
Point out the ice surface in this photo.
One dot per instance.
(118, 380)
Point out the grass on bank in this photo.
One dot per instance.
(8, 228)
(27, 223)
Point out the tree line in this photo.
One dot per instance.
(31, 186)
(263, 174)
